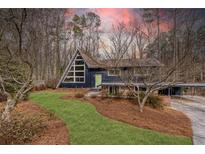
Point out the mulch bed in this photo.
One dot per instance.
(164, 120)
(55, 131)
(70, 91)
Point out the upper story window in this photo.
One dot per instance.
(114, 72)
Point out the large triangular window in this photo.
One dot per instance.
(76, 73)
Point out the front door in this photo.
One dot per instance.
(98, 80)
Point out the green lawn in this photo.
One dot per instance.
(87, 126)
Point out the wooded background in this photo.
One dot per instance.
(49, 37)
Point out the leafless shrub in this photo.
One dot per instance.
(20, 129)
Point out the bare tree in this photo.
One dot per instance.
(16, 70)
(119, 43)
(140, 40)
(86, 32)
(153, 77)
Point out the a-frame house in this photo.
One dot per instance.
(81, 72)
(84, 71)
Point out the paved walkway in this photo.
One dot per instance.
(93, 93)
(195, 110)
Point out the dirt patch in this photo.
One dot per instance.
(55, 131)
(166, 121)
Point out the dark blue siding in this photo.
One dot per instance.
(90, 78)
(105, 77)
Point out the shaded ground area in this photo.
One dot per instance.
(167, 120)
(194, 108)
(87, 126)
(55, 131)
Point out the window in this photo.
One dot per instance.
(113, 72)
(72, 68)
(70, 73)
(78, 57)
(79, 62)
(79, 68)
(79, 79)
(79, 74)
(76, 74)
(69, 79)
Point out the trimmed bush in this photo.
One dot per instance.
(20, 129)
(153, 101)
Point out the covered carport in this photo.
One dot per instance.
(181, 88)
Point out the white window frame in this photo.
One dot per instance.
(74, 71)
(113, 74)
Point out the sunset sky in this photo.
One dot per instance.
(112, 16)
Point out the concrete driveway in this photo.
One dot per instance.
(194, 108)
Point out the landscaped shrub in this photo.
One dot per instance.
(39, 85)
(79, 95)
(20, 129)
(153, 101)
(52, 83)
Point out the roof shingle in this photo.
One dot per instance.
(95, 63)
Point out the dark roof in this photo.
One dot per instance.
(95, 63)
(133, 62)
(90, 61)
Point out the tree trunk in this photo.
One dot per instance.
(141, 108)
(141, 104)
(8, 108)
(158, 35)
(174, 40)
